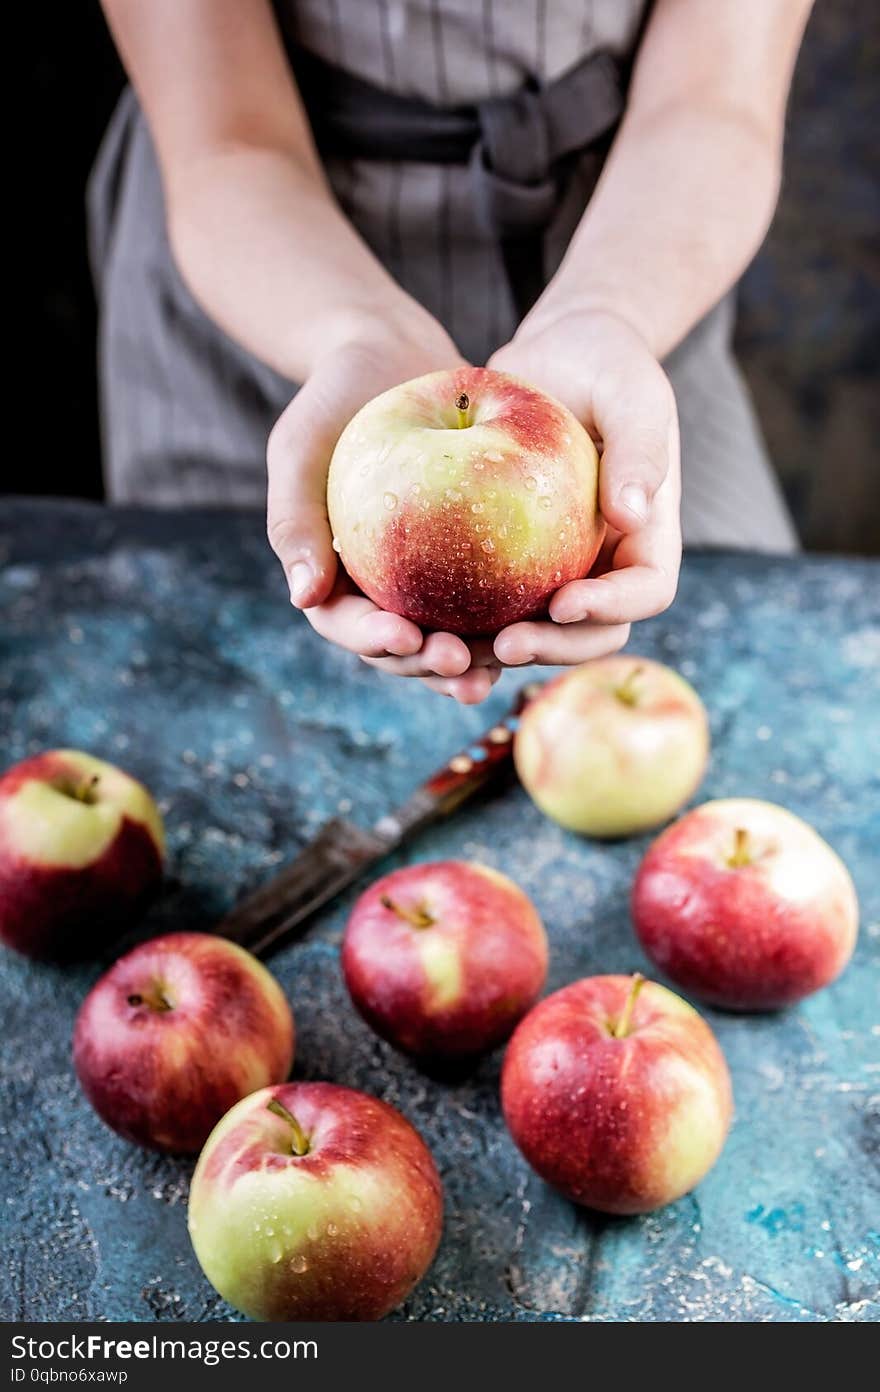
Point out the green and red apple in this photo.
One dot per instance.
(614, 747)
(315, 1202)
(745, 905)
(464, 499)
(617, 1094)
(443, 959)
(176, 1032)
(81, 848)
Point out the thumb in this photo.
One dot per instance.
(638, 448)
(297, 458)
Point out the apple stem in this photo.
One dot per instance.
(621, 1029)
(419, 918)
(626, 691)
(157, 1001)
(83, 792)
(462, 406)
(741, 853)
(300, 1143)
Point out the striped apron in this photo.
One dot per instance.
(186, 411)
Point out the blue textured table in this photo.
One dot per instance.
(165, 642)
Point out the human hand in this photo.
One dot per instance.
(600, 367)
(298, 457)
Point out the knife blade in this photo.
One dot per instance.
(277, 911)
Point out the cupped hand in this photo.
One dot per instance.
(601, 368)
(298, 457)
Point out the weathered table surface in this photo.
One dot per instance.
(165, 642)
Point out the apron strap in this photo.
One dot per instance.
(519, 148)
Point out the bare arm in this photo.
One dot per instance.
(683, 203)
(265, 249)
(691, 184)
(254, 227)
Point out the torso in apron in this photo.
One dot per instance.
(186, 412)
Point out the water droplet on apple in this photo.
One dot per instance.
(390, 501)
(482, 584)
(520, 589)
(531, 484)
(299, 1265)
(416, 489)
(275, 1255)
(337, 545)
(270, 1232)
(478, 464)
(557, 576)
(355, 1203)
(312, 1232)
(476, 507)
(545, 502)
(568, 519)
(502, 531)
(332, 1229)
(487, 545)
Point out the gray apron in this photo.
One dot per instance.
(186, 412)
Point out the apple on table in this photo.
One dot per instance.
(617, 1093)
(178, 1030)
(312, 1201)
(442, 959)
(614, 747)
(742, 903)
(464, 499)
(81, 849)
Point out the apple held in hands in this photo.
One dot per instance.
(315, 1202)
(443, 959)
(613, 747)
(81, 846)
(175, 1033)
(464, 499)
(744, 904)
(617, 1093)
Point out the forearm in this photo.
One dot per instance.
(684, 204)
(691, 182)
(271, 258)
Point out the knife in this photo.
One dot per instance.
(278, 911)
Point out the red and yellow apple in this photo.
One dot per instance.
(443, 959)
(81, 847)
(742, 903)
(614, 747)
(617, 1093)
(315, 1202)
(464, 499)
(176, 1032)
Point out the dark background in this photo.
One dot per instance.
(809, 331)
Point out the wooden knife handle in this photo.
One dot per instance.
(472, 768)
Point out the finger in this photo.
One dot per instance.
(558, 645)
(354, 622)
(637, 425)
(297, 458)
(441, 655)
(642, 574)
(619, 597)
(468, 690)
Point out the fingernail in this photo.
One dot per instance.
(299, 580)
(634, 498)
(569, 616)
